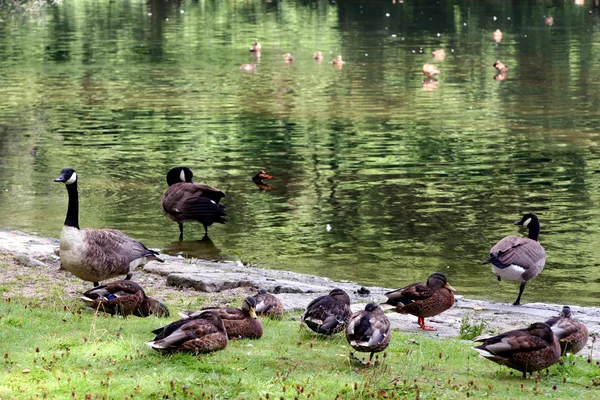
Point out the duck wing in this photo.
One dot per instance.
(409, 294)
(510, 343)
(190, 330)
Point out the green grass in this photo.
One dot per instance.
(53, 348)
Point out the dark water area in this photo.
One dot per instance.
(411, 177)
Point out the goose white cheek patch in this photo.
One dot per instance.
(72, 179)
(182, 176)
(526, 222)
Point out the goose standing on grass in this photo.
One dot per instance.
(204, 333)
(124, 298)
(328, 314)
(572, 334)
(95, 255)
(185, 201)
(423, 299)
(526, 350)
(369, 330)
(517, 258)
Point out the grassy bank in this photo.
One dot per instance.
(53, 347)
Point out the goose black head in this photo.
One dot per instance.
(438, 280)
(180, 174)
(527, 219)
(67, 176)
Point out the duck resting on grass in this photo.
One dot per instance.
(517, 258)
(328, 314)
(369, 330)
(95, 255)
(268, 305)
(572, 334)
(124, 298)
(526, 350)
(423, 299)
(204, 333)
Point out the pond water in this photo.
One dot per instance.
(411, 178)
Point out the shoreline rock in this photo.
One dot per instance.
(296, 290)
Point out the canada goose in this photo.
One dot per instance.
(204, 333)
(269, 305)
(318, 56)
(288, 58)
(526, 350)
(124, 298)
(369, 330)
(256, 47)
(96, 254)
(423, 299)
(572, 334)
(439, 55)
(328, 314)
(517, 258)
(184, 201)
(239, 323)
(430, 70)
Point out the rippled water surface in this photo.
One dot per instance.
(411, 177)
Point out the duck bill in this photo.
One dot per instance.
(252, 313)
(450, 288)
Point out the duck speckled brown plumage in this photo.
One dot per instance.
(185, 201)
(369, 330)
(526, 350)
(519, 258)
(203, 333)
(572, 334)
(328, 314)
(423, 300)
(95, 255)
(239, 323)
(124, 298)
(268, 305)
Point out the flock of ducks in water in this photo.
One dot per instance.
(96, 255)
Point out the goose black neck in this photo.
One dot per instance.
(73, 208)
(534, 230)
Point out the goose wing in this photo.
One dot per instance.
(114, 246)
(193, 202)
(516, 250)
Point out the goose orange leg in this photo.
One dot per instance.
(424, 327)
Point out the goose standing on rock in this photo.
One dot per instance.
(185, 201)
(517, 258)
(95, 255)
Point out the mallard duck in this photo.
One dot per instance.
(185, 201)
(256, 47)
(318, 56)
(328, 314)
(95, 255)
(439, 55)
(430, 70)
(526, 350)
(500, 66)
(124, 298)
(288, 58)
(248, 67)
(369, 330)
(260, 175)
(572, 334)
(239, 323)
(204, 333)
(517, 258)
(423, 300)
(497, 35)
(269, 305)
(338, 61)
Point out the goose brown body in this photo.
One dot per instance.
(95, 255)
(519, 258)
(328, 314)
(203, 333)
(526, 350)
(571, 333)
(239, 323)
(268, 305)
(185, 201)
(423, 299)
(369, 330)
(124, 298)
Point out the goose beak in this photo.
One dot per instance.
(450, 288)
(61, 178)
(518, 223)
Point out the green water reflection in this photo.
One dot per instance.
(411, 179)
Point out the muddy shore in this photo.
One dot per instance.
(32, 262)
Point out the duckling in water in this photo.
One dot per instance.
(318, 56)
(288, 58)
(256, 47)
(430, 70)
(258, 180)
(497, 35)
(338, 62)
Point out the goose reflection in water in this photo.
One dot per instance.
(204, 249)
(258, 180)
